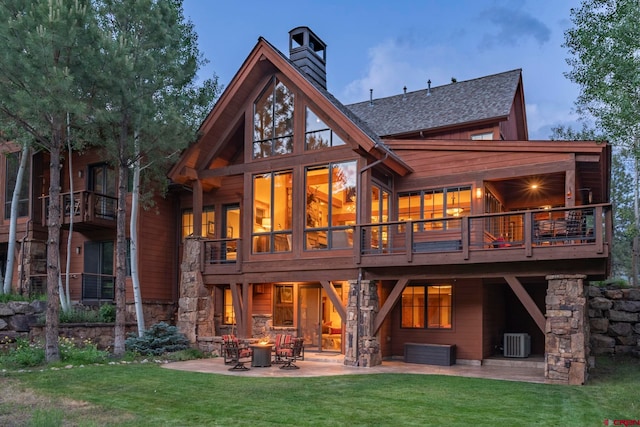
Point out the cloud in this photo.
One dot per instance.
(511, 27)
(396, 63)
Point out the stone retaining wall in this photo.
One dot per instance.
(614, 318)
(20, 319)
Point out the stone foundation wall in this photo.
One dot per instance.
(614, 317)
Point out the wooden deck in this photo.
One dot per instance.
(487, 245)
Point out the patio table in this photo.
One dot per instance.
(261, 357)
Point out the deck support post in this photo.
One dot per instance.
(194, 297)
(566, 330)
(362, 347)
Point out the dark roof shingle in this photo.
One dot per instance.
(457, 103)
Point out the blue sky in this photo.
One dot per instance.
(386, 45)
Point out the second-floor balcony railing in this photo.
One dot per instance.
(520, 229)
(556, 228)
(85, 207)
(222, 251)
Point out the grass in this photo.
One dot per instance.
(148, 395)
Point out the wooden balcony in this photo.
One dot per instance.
(532, 241)
(87, 210)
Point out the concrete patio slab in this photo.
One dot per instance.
(329, 365)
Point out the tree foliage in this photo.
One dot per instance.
(46, 48)
(148, 102)
(605, 48)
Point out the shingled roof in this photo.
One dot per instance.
(469, 101)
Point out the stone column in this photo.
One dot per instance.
(362, 347)
(567, 330)
(194, 304)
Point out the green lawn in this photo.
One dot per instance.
(148, 395)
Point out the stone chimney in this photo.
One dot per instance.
(309, 53)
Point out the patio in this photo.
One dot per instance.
(323, 364)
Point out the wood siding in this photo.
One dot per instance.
(467, 330)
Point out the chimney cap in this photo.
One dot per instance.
(303, 37)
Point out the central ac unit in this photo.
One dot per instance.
(517, 345)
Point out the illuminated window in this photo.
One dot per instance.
(208, 222)
(434, 204)
(413, 307)
(482, 136)
(330, 205)
(439, 306)
(283, 305)
(436, 309)
(273, 121)
(318, 134)
(272, 212)
(229, 317)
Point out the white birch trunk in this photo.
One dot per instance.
(65, 294)
(13, 222)
(133, 233)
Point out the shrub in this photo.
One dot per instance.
(76, 315)
(25, 355)
(159, 339)
(188, 354)
(105, 314)
(18, 297)
(108, 313)
(84, 353)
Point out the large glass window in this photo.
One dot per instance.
(102, 181)
(13, 162)
(283, 305)
(436, 308)
(318, 134)
(229, 317)
(272, 212)
(330, 206)
(208, 222)
(379, 214)
(273, 121)
(433, 204)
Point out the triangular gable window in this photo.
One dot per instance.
(318, 135)
(273, 121)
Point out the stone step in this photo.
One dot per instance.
(527, 362)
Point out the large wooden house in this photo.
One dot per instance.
(380, 228)
(89, 215)
(390, 228)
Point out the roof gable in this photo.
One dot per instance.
(225, 117)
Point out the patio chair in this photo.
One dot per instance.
(238, 356)
(295, 352)
(575, 229)
(231, 349)
(281, 347)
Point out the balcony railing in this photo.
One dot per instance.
(98, 287)
(84, 207)
(559, 233)
(222, 251)
(527, 229)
